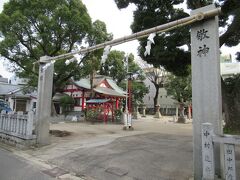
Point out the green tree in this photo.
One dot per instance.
(232, 96)
(158, 77)
(114, 66)
(31, 29)
(167, 50)
(181, 90)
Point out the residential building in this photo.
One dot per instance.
(18, 98)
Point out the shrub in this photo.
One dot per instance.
(66, 102)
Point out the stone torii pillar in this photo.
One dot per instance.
(206, 85)
(44, 101)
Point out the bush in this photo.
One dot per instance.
(92, 114)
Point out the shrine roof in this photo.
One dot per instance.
(84, 83)
(108, 91)
(115, 86)
(97, 101)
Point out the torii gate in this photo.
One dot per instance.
(206, 85)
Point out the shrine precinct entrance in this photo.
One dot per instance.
(206, 85)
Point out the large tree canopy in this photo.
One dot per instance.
(167, 51)
(30, 29)
(115, 66)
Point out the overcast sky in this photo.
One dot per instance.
(118, 22)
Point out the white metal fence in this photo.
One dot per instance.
(17, 125)
(208, 140)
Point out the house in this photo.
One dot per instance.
(17, 97)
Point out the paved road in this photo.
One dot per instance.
(15, 168)
(151, 156)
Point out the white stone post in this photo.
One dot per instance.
(8, 120)
(44, 100)
(13, 121)
(230, 165)
(1, 119)
(206, 85)
(144, 111)
(207, 152)
(29, 123)
(19, 122)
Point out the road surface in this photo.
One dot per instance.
(15, 168)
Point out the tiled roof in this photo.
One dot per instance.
(16, 90)
(83, 83)
(108, 91)
(115, 91)
(7, 88)
(115, 86)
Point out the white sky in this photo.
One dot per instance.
(118, 22)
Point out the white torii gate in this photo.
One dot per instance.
(206, 85)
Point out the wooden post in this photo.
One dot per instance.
(206, 85)
(83, 96)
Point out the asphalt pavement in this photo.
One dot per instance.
(13, 167)
(151, 156)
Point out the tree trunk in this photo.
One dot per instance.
(231, 108)
(155, 100)
(92, 76)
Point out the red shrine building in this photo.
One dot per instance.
(106, 94)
